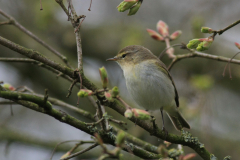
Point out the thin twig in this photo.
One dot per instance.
(90, 6)
(81, 152)
(100, 113)
(23, 29)
(24, 89)
(162, 53)
(95, 123)
(121, 123)
(41, 5)
(228, 27)
(82, 16)
(228, 64)
(71, 87)
(26, 60)
(55, 148)
(169, 52)
(202, 55)
(5, 23)
(124, 103)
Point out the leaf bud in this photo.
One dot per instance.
(155, 35)
(162, 28)
(115, 91)
(84, 93)
(120, 139)
(128, 113)
(141, 114)
(108, 95)
(206, 30)
(192, 44)
(125, 5)
(133, 10)
(237, 45)
(8, 86)
(205, 44)
(175, 35)
(104, 77)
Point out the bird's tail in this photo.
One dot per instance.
(178, 121)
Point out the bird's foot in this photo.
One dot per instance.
(165, 132)
(155, 127)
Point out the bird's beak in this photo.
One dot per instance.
(112, 59)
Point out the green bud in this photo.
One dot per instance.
(205, 44)
(84, 93)
(141, 114)
(120, 138)
(193, 43)
(104, 77)
(128, 113)
(206, 30)
(133, 10)
(8, 87)
(123, 6)
(115, 91)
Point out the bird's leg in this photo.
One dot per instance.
(155, 127)
(163, 128)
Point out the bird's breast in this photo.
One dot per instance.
(149, 86)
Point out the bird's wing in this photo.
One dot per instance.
(165, 70)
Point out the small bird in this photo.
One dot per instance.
(149, 83)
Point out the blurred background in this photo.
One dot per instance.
(209, 101)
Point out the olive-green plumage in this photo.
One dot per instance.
(149, 82)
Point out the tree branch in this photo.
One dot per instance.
(202, 55)
(227, 28)
(117, 106)
(81, 152)
(65, 118)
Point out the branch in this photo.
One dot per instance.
(81, 152)
(117, 106)
(65, 118)
(227, 28)
(75, 21)
(202, 55)
(23, 29)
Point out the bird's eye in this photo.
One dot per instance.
(124, 55)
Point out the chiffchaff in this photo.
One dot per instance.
(149, 82)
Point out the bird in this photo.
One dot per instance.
(149, 83)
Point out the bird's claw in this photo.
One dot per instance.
(165, 132)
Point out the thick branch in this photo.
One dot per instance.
(114, 105)
(65, 118)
